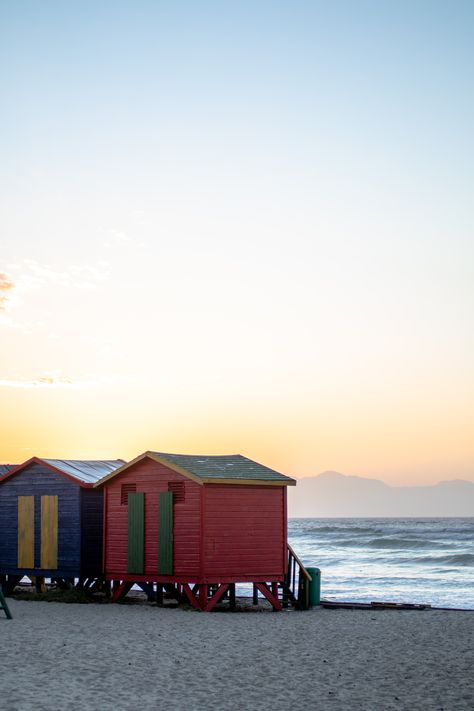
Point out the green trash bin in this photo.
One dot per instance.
(314, 586)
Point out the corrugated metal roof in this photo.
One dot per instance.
(231, 466)
(5, 468)
(87, 471)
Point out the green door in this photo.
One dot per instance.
(136, 532)
(165, 533)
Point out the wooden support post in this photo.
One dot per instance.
(40, 584)
(202, 596)
(11, 584)
(159, 594)
(232, 596)
(121, 590)
(274, 601)
(275, 589)
(219, 593)
(254, 595)
(191, 597)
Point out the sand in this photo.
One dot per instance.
(105, 656)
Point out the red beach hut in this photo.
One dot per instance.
(197, 523)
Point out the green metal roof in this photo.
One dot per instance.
(218, 467)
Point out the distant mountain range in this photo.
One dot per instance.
(334, 494)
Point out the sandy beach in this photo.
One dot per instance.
(105, 656)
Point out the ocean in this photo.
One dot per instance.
(427, 560)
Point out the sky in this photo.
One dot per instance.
(239, 227)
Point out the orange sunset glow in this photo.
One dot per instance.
(268, 253)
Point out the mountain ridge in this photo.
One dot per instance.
(333, 494)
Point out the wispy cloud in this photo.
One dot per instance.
(30, 275)
(6, 285)
(48, 380)
(35, 275)
(54, 380)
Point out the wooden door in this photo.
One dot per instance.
(49, 532)
(165, 533)
(136, 532)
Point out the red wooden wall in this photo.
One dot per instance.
(244, 531)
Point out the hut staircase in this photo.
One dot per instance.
(295, 590)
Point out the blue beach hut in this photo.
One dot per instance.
(51, 520)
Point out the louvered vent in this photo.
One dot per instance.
(177, 489)
(125, 491)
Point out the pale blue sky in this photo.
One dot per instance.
(279, 192)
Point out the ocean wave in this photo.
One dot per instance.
(457, 559)
(350, 530)
(389, 544)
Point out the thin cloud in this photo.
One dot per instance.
(55, 381)
(44, 381)
(86, 276)
(31, 276)
(6, 285)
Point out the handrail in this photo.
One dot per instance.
(303, 570)
(296, 587)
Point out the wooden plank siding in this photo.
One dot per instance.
(92, 521)
(152, 478)
(26, 531)
(244, 533)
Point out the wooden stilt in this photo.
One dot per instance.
(275, 589)
(218, 594)
(274, 601)
(254, 595)
(40, 584)
(191, 597)
(159, 595)
(202, 596)
(11, 583)
(232, 596)
(121, 590)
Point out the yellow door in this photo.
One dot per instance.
(49, 532)
(26, 531)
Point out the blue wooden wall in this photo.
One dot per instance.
(75, 511)
(92, 518)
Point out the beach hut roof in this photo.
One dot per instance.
(5, 468)
(88, 471)
(85, 472)
(217, 469)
